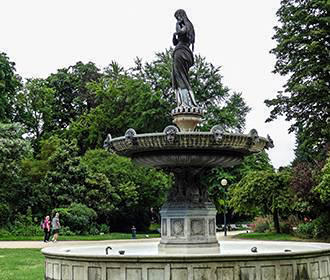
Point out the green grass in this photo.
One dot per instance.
(268, 236)
(21, 264)
(111, 236)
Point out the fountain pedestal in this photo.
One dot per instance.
(188, 217)
(188, 229)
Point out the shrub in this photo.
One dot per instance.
(261, 224)
(318, 228)
(78, 218)
(321, 226)
(262, 227)
(286, 228)
(4, 214)
(104, 228)
(305, 230)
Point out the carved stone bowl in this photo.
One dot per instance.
(172, 148)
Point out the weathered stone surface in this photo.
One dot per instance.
(293, 266)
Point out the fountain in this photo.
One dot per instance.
(188, 247)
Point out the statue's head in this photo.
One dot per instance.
(180, 14)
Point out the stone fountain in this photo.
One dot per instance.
(188, 247)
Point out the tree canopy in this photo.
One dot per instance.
(303, 55)
(9, 83)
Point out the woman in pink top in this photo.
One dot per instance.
(46, 227)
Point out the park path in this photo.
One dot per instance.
(41, 244)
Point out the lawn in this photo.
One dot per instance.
(111, 236)
(21, 264)
(268, 236)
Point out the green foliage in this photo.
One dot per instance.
(78, 218)
(305, 230)
(13, 148)
(319, 228)
(124, 102)
(262, 227)
(9, 84)
(323, 188)
(302, 54)
(128, 193)
(263, 192)
(35, 108)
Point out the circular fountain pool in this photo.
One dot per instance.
(141, 260)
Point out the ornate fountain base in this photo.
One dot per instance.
(188, 229)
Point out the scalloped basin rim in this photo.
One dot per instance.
(228, 249)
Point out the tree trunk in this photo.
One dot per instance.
(276, 221)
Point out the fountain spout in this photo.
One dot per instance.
(107, 250)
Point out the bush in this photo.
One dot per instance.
(262, 227)
(305, 230)
(321, 226)
(261, 224)
(104, 228)
(286, 228)
(4, 214)
(78, 218)
(318, 228)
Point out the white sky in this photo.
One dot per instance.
(41, 36)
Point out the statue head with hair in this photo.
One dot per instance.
(181, 16)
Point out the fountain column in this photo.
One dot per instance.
(188, 217)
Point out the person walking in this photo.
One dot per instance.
(56, 227)
(46, 228)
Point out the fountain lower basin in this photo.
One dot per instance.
(142, 260)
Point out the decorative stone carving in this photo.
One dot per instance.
(177, 227)
(164, 227)
(211, 226)
(197, 227)
(170, 132)
(270, 143)
(253, 137)
(129, 136)
(218, 132)
(107, 142)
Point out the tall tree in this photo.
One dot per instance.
(303, 55)
(10, 82)
(72, 97)
(35, 107)
(13, 148)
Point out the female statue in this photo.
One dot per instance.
(183, 59)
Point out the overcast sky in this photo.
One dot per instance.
(41, 36)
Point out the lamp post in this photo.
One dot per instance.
(224, 183)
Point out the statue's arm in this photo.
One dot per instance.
(175, 39)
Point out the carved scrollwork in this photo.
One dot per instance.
(270, 143)
(218, 132)
(129, 136)
(253, 137)
(170, 132)
(107, 142)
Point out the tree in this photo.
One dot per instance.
(222, 107)
(35, 108)
(134, 193)
(323, 187)
(302, 54)
(13, 148)
(263, 192)
(124, 102)
(218, 193)
(72, 97)
(9, 84)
